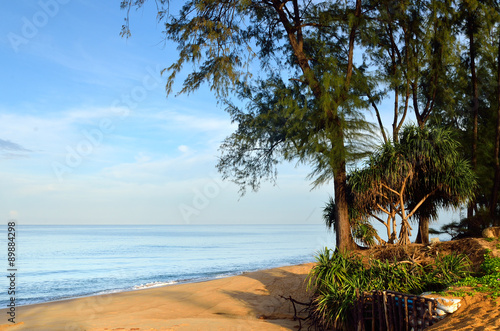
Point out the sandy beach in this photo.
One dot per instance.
(251, 301)
(477, 313)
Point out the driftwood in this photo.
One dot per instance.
(307, 309)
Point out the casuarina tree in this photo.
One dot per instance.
(292, 66)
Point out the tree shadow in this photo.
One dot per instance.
(269, 300)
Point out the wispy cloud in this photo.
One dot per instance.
(198, 122)
(162, 170)
(12, 150)
(87, 66)
(7, 145)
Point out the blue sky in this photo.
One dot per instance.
(87, 135)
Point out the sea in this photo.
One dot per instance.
(56, 262)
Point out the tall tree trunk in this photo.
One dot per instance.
(342, 226)
(345, 242)
(423, 231)
(496, 183)
(475, 106)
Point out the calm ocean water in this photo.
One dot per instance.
(58, 262)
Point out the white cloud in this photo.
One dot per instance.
(32, 132)
(183, 148)
(45, 131)
(197, 122)
(12, 150)
(142, 158)
(85, 114)
(79, 59)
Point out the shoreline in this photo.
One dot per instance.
(141, 287)
(248, 300)
(121, 257)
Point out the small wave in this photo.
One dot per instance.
(229, 274)
(103, 292)
(153, 284)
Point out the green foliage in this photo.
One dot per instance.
(362, 231)
(413, 177)
(299, 86)
(396, 276)
(289, 74)
(337, 276)
(474, 93)
(491, 265)
(487, 281)
(449, 269)
(299, 91)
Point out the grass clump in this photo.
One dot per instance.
(487, 280)
(337, 276)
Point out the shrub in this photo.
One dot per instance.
(337, 276)
(488, 280)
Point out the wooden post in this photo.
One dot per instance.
(415, 324)
(422, 313)
(384, 298)
(407, 321)
(362, 311)
(381, 319)
(395, 311)
(358, 312)
(392, 311)
(373, 312)
(400, 312)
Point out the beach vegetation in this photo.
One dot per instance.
(486, 280)
(474, 104)
(404, 180)
(362, 230)
(338, 277)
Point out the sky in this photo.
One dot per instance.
(88, 135)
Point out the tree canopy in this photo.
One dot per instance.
(412, 177)
(298, 77)
(292, 64)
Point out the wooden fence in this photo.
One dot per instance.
(393, 311)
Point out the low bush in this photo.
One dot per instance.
(337, 276)
(486, 281)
